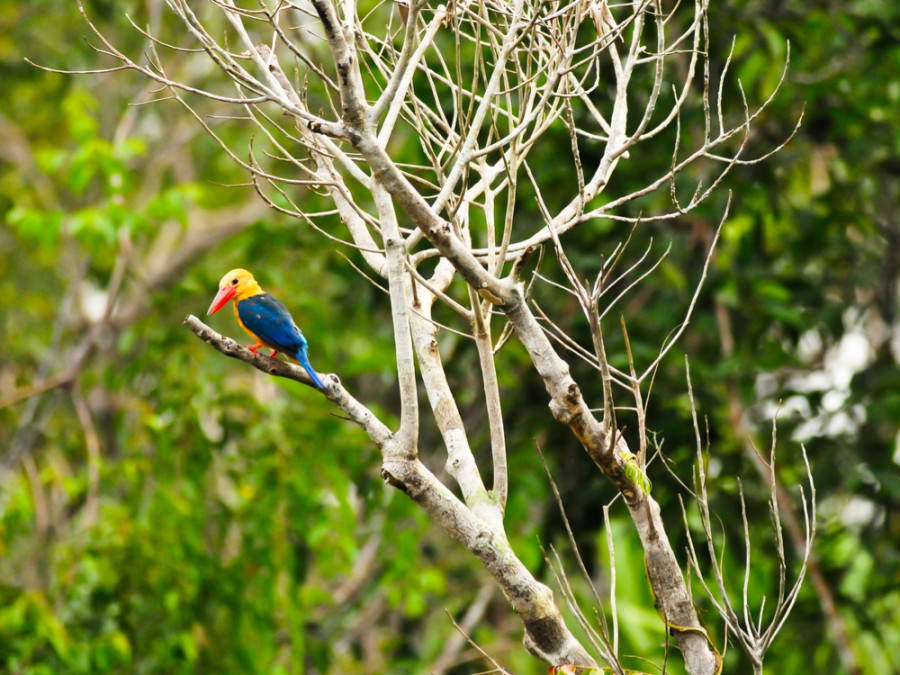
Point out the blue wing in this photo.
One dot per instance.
(273, 325)
(271, 322)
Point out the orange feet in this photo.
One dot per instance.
(253, 348)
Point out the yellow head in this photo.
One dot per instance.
(236, 285)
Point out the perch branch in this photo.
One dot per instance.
(529, 598)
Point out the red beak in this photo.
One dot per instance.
(223, 296)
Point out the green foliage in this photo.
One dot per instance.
(221, 526)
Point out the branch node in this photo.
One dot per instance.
(393, 481)
(560, 411)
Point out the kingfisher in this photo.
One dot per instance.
(265, 319)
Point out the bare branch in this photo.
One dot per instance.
(476, 86)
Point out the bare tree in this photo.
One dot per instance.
(328, 88)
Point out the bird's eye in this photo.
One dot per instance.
(234, 281)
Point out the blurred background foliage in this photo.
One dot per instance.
(165, 510)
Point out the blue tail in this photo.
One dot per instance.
(303, 360)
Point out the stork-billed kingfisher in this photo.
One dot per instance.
(264, 318)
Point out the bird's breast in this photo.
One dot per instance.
(249, 332)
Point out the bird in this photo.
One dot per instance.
(265, 319)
